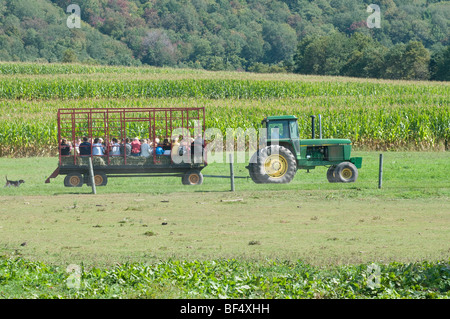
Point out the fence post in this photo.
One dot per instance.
(91, 176)
(231, 173)
(380, 172)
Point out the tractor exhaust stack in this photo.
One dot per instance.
(320, 126)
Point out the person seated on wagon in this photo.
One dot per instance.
(97, 147)
(126, 147)
(77, 146)
(85, 147)
(115, 147)
(153, 146)
(65, 147)
(175, 145)
(166, 147)
(145, 148)
(135, 147)
(159, 151)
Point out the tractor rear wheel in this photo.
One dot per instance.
(274, 164)
(192, 177)
(73, 180)
(252, 167)
(346, 172)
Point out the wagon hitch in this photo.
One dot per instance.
(54, 175)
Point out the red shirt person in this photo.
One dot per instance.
(135, 147)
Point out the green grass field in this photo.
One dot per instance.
(308, 219)
(135, 228)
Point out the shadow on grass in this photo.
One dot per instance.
(73, 193)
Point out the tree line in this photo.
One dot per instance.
(362, 56)
(329, 37)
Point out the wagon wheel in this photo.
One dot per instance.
(100, 179)
(73, 180)
(192, 177)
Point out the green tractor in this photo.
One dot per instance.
(285, 153)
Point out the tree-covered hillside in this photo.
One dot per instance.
(37, 31)
(305, 36)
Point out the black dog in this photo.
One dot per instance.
(13, 183)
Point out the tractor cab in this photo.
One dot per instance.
(282, 130)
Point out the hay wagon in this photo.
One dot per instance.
(130, 142)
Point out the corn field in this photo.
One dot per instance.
(373, 114)
(74, 88)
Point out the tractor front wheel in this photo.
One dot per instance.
(345, 172)
(330, 174)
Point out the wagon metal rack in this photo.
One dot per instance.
(153, 124)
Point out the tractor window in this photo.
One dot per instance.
(294, 129)
(282, 127)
